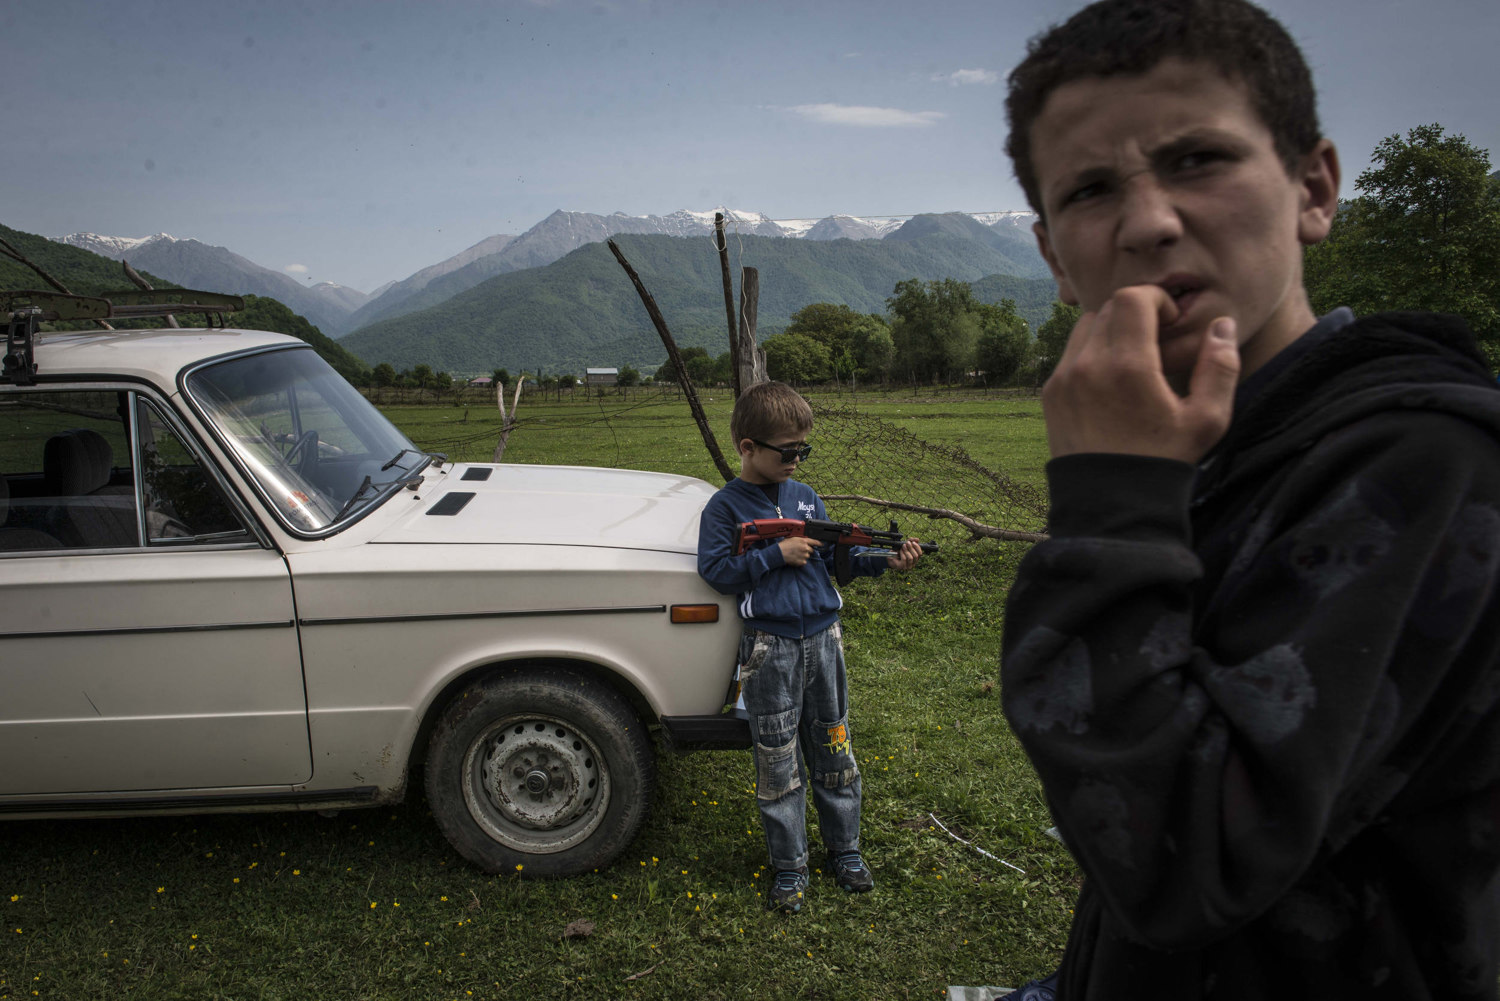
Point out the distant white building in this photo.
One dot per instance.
(483, 380)
(601, 376)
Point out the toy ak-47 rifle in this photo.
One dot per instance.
(839, 534)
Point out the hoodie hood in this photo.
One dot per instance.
(1378, 363)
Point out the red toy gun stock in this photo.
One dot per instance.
(839, 534)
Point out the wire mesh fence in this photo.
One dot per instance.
(867, 469)
(873, 471)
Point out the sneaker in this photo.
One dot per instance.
(787, 889)
(851, 873)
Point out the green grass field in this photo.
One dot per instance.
(373, 904)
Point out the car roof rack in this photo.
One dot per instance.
(22, 310)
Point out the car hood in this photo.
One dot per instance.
(554, 506)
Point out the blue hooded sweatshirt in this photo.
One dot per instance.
(774, 597)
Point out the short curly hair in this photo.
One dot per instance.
(1130, 37)
(769, 408)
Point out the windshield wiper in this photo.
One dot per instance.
(357, 495)
(437, 457)
(409, 480)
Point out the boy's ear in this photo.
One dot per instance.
(1318, 198)
(744, 446)
(1064, 286)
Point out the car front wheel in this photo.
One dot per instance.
(543, 770)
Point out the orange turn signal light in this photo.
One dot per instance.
(695, 613)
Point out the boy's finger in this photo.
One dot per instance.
(1137, 314)
(1215, 376)
(1082, 332)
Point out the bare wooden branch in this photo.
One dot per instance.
(141, 283)
(672, 353)
(734, 337)
(16, 255)
(21, 258)
(978, 528)
(507, 423)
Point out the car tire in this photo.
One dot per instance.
(546, 772)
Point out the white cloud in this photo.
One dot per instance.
(866, 117)
(295, 269)
(963, 78)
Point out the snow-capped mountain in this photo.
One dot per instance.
(198, 265)
(115, 247)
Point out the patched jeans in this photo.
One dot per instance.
(797, 696)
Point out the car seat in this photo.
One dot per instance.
(76, 468)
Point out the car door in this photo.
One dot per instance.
(147, 629)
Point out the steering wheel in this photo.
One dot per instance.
(307, 461)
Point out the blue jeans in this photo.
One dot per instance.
(797, 696)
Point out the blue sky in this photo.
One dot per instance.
(358, 142)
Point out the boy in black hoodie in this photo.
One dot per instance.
(1257, 664)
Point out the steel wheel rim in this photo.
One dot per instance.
(535, 783)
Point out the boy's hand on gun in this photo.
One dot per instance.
(911, 551)
(796, 550)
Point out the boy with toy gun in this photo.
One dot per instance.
(839, 534)
(790, 664)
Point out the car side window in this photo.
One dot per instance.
(183, 502)
(68, 477)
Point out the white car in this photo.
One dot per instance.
(228, 582)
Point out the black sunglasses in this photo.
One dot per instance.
(789, 453)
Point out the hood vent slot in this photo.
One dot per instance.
(451, 504)
(477, 473)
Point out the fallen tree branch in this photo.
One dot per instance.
(979, 529)
(637, 976)
(972, 845)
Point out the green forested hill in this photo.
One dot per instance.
(582, 310)
(86, 273)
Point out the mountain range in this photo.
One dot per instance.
(554, 297)
(338, 309)
(563, 232)
(192, 264)
(582, 310)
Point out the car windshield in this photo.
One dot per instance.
(318, 451)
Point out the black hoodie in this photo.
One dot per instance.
(1263, 695)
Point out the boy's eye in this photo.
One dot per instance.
(1198, 158)
(1083, 193)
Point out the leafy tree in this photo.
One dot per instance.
(700, 367)
(421, 376)
(874, 351)
(834, 325)
(628, 376)
(384, 375)
(667, 373)
(796, 359)
(935, 328)
(1423, 234)
(566, 382)
(501, 377)
(723, 373)
(1004, 342)
(1052, 337)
